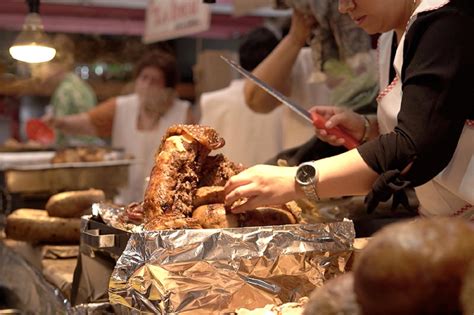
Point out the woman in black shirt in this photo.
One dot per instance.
(422, 136)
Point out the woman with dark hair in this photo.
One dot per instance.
(136, 122)
(423, 134)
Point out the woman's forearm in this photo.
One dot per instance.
(275, 70)
(79, 124)
(345, 174)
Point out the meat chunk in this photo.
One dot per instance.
(172, 221)
(134, 213)
(175, 175)
(268, 216)
(185, 177)
(206, 136)
(214, 216)
(217, 170)
(208, 195)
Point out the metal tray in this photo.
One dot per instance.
(51, 178)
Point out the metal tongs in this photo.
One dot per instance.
(312, 117)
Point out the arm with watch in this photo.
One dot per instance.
(342, 175)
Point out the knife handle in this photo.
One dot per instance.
(319, 122)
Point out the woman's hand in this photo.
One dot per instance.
(301, 26)
(350, 122)
(262, 185)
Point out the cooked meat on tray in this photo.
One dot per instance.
(186, 186)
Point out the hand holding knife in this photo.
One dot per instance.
(314, 118)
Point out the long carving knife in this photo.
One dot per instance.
(313, 118)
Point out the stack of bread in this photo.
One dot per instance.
(58, 223)
(421, 267)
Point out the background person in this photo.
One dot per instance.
(292, 56)
(71, 95)
(137, 122)
(251, 138)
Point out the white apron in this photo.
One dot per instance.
(141, 144)
(451, 192)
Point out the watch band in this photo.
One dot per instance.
(311, 192)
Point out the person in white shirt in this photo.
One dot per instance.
(138, 121)
(251, 138)
(291, 69)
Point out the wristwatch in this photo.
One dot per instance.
(307, 177)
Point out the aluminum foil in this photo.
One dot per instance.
(22, 287)
(215, 271)
(112, 215)
(92, 309)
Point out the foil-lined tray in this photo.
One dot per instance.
(216, 271)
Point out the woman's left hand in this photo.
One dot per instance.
(262, 185)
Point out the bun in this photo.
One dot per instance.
(414, 268)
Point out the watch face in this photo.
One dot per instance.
(306, 174)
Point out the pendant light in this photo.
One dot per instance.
(32, 45)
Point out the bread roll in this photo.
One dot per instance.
(414, 267)
(264, 216)
(335, 297)
(35, 226)
(73, 204)
(214, 216)
(208, 195)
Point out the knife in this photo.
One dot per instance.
(313, 118)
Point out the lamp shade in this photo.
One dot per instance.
(32, 45)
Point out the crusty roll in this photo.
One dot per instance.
(214, 216)
(415, 268)
(73, 204)
(335, 297)
(35, 226)
(263, 216)
(208, 195)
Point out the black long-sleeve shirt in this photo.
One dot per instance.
(438, 95)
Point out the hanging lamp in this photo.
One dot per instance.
(32, 45)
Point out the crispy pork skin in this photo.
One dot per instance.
(174, 177)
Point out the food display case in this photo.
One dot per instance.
(31, 174)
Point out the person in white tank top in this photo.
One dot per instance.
(136, 122)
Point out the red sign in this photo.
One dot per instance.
(168, 19)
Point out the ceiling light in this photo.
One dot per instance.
(32, 45)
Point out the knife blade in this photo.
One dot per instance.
(276, 94)
(313, 118)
